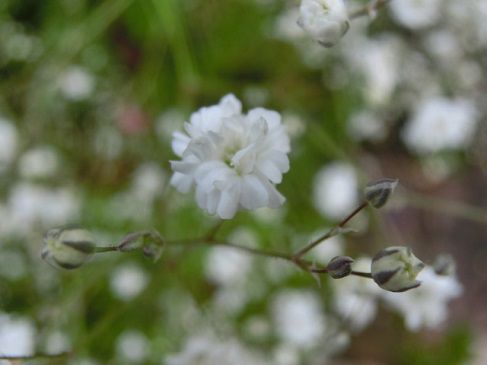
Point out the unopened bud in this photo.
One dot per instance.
(377, 193)
(444, 265)
(395, 269)
(339, 267)
(67, 248)
(131, 242)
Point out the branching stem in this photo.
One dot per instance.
(332, 232)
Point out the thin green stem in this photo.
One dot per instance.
(305, 265)
(362, 274)
(332, 232)
(102, 249)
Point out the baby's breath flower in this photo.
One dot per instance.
(234, 160)
(326, 21)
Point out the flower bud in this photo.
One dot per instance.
(67, 248)
(131, 242)
(377, 193)
(324, 20)
(444, 265)
(151, 243)
(395, 269)
(339, 267)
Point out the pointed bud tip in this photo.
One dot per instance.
(377, 193)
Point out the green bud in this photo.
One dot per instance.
(67, 248)
(377, 193)
(339, 267)
(395, 269)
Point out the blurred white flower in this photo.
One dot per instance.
(425, 306)
(227, 266)
(355, 298)
(56, 342)
(328, 249)
(439, 124)
(336, 190)
(416, 14)
(234, 160)
(378, 61)
(76, 83)
(169, 122)
(326, 21)
(39, 162)
(17, 335)
(132, 346)
(286, 355)
(444, 46)
(209, 350)
(29, 205)
(128, 281)
(148, 181)
(8, 143)
(298, 318)
(366, 126)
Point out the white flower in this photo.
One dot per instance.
(440, 124)
(128, 281)
(132, 346)
(425, 306)
(234, 160)
(336, 190)
(378, 62)
(39, 162)
(326, 21)
(298, 318)
(209, 350)
(227, 266)
(76, 83)
(365, 125)
(17, 336)
(355, 298)
(416, 14)
(29, 205)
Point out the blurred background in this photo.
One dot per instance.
(90, 94)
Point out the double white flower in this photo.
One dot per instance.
(326, 21)
(233, 160)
